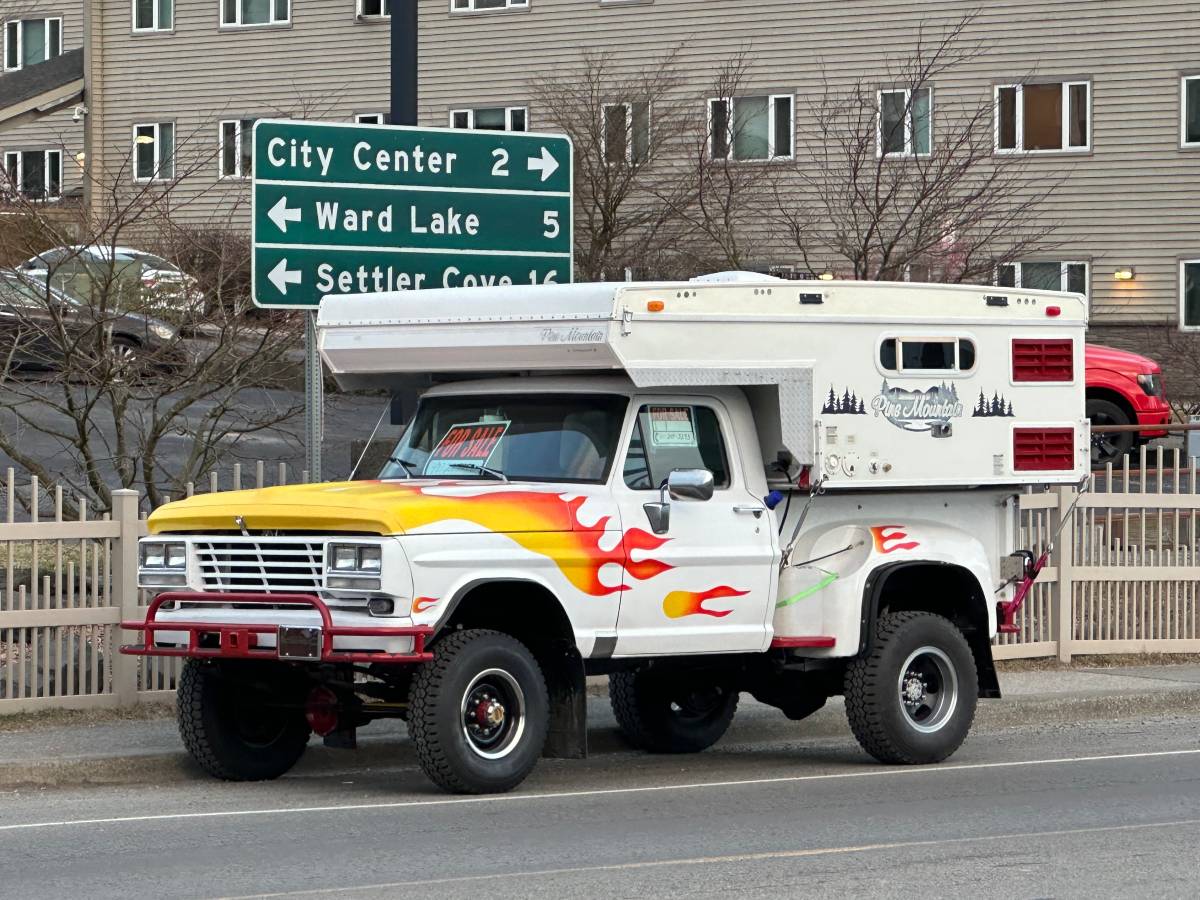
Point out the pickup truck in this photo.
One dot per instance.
(699, 490)
(1123, 388)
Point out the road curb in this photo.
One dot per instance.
(177, 768)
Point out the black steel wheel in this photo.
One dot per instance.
(671, 711)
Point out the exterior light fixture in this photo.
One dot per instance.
(1124, 273)
(826, 276)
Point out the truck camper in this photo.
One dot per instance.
(700, 489)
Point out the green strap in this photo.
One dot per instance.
(808, 592)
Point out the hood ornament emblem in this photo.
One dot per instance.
(241, 523)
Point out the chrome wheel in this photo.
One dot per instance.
(927, 689)
(493, 714)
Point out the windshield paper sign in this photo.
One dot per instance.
(918, 410)
(671, 426)
(465, 448)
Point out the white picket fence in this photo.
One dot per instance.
(1123, 578)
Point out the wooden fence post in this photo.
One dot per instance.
(1063, 618)
(124, 592)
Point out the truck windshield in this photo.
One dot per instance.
(547, 437)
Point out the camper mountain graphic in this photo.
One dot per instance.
(918, 410)
(848, 404)
(998, 406)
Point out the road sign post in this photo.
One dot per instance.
(349, 209)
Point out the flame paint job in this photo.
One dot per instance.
(890, 541)
(678, 604)
(421, 604)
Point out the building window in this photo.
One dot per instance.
(481, 5)
(153, 15)
(31, 41)
(34, 174)
(491, 118)
(374, 9)
(1044, 276)
(1189, 294)
(1043, 118)
(905, 123)
(154, 152)
(750, 128)
(626, 132)
(1190, 107)
(237, 148)
(255, 12)
(372, 119)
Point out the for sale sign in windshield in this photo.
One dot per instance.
(465, 448)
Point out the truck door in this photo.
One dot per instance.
(708, 586)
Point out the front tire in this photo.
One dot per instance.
(241, 722)
(478, 713)
(671, 712)
(911, 700)
(1109, 448)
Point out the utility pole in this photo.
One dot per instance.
(404, 62)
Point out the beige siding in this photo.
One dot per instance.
(1129, 201)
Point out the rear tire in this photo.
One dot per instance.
(1108, 448)
(671, 712)
(478, 712)
(911, 700)
(241, 722)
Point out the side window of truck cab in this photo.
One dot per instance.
(674, 436)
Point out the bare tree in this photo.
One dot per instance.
(875, 189)
(623, 125)
(731, 167)
(111, 356)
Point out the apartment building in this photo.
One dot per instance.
(41, 87)
(1099, 97)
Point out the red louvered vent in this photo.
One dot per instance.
(1045, 360)
(1043, 449)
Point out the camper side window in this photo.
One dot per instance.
(670, 436)
(926, 355)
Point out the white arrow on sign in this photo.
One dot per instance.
(546, 162)
(281, 276)
(281, 215)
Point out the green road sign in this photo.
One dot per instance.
(341, 209)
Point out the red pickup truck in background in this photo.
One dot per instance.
(1123, 388)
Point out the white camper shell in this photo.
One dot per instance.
(871, 385)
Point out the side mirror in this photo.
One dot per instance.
(690, 484)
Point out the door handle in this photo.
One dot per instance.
(750, 508)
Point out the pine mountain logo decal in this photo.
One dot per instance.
(918, 410)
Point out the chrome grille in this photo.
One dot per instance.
(259, 565)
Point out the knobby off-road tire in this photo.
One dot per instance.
(911, 700)
(670, 712)
(478, 712)
(241, 723)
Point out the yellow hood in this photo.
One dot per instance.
(372, 507)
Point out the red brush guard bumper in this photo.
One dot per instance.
(240, 640)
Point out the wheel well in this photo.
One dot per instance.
(1113, 397)
(532, 614)
(940, 588)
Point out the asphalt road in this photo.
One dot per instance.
(1102, 809)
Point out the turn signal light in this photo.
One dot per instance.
(655, 306)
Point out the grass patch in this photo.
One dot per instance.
(60, 718)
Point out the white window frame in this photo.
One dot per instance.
(158, 142)
(730, 116)
(374, 16)
(1019, 112)
(238, 23)
(931, 338)
(20, 32)
(468, 6)
(1062, 274)
(239, 136)
(1183, 263)
(158, 25)
(19, 156)
(909, 124)
(628, 128)
(1183, 110)
(508, 116)
(369, 118)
